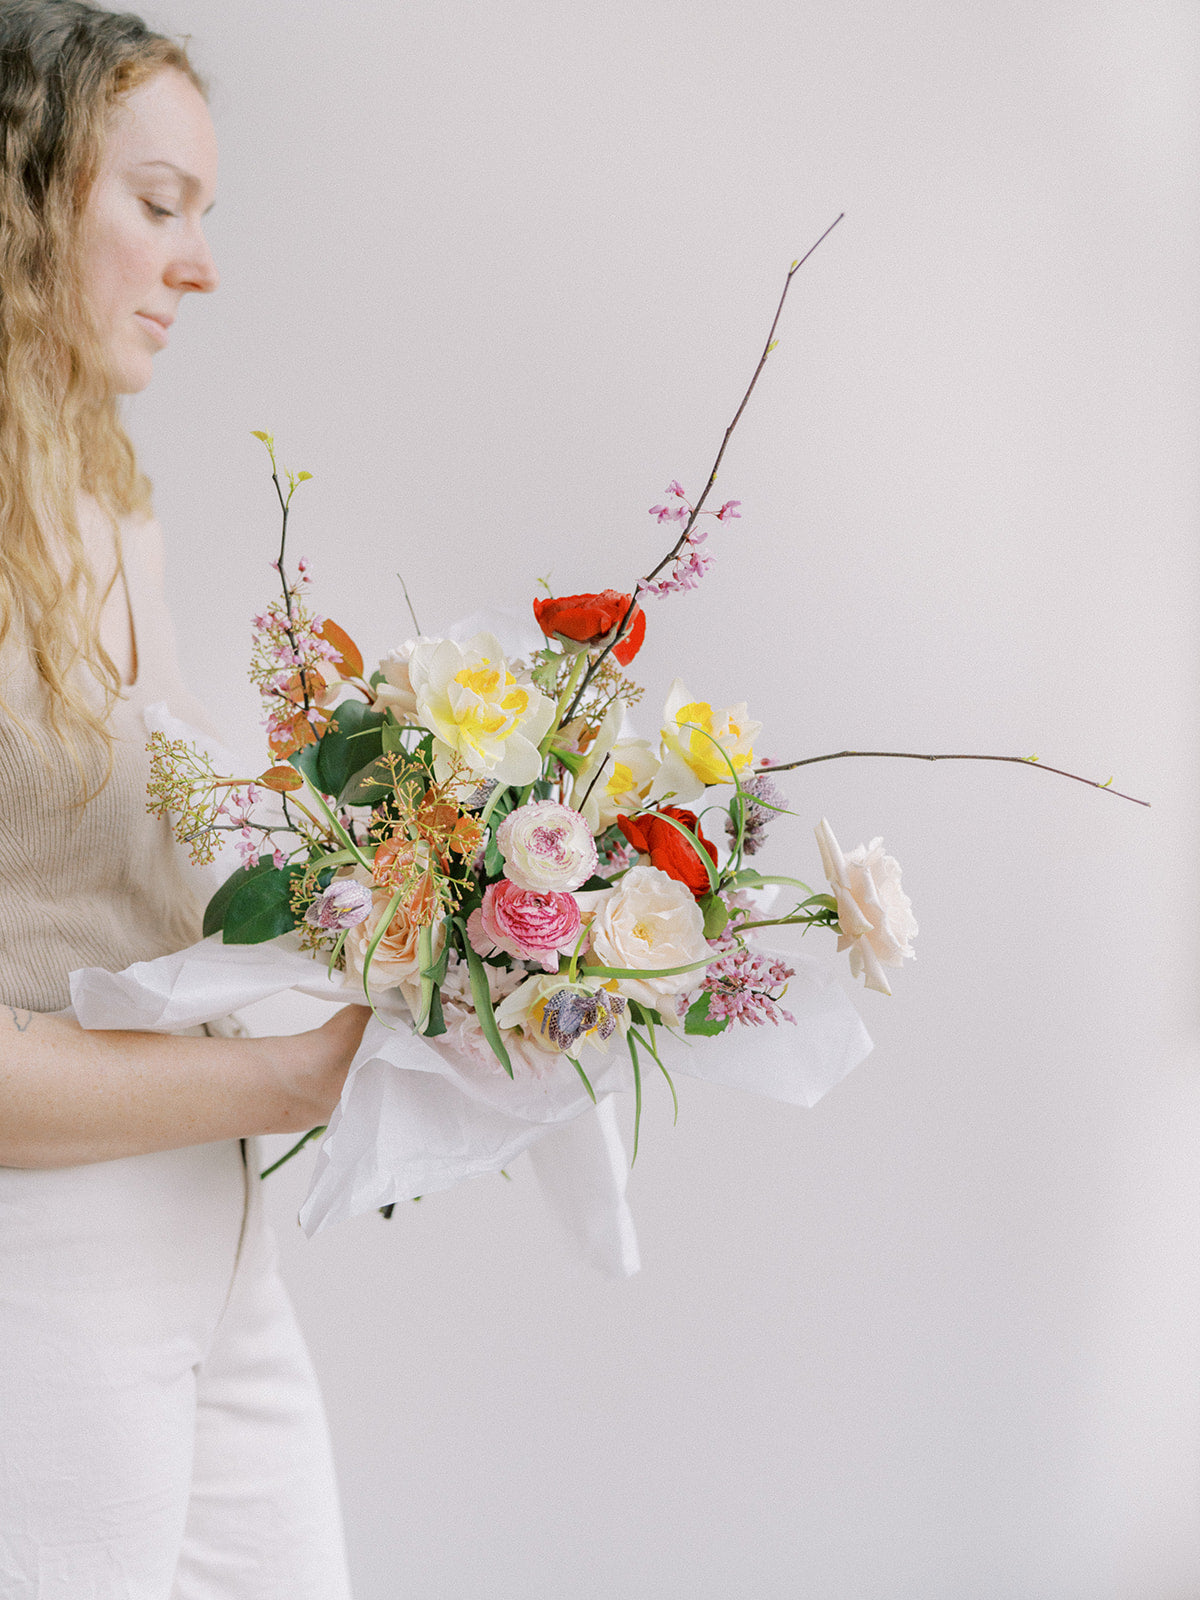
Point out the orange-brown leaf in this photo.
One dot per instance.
(352, 662)
(281, 779)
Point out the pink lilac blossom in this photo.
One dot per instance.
(690, 566)
(746, 986)
(757, 817)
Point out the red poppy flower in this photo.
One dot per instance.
(667, 848)
(589, 618)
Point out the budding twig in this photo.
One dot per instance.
(911, 755)
(624, 624)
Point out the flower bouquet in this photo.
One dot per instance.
(539, 905)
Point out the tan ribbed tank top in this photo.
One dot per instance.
(100, 885)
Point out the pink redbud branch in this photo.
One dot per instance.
(910, 755)
(762, 361)
(626, 620)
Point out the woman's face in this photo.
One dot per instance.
(142, 243)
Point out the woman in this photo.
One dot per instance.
(160, 1434)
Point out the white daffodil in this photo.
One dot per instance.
(477, 710)
(615, 778)
(701, 746)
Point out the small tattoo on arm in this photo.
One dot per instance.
(21, 1019)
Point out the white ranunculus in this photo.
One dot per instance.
(649, 921)
(546, 846)
(874, 913)
(477, 711)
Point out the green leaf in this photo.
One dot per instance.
(306, 761)
(440, 967)
(699, 1021)
(645, 972)
(583, 1078)
(571, 759)
(493, 861)
(748, 878)
(381, 928)
(214, 914)
(645, 1016)
(392, 739)
(436, 1022)
(368, 786)
(354, 738)
(482, 1000)
(716, 916)
(261, 908)
(637, 1095)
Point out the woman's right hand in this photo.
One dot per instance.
(324, 1062)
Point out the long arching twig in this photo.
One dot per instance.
(912, 755)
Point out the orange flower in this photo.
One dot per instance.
(589, 618)
(667, 848)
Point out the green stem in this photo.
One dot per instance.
(294, 1151)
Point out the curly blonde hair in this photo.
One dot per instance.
(64, 65)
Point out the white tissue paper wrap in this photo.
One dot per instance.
(416, 1117)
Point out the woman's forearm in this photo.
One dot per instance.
(69, 1096)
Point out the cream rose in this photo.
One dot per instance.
(874, 913)
(649, 921)
(396, 962)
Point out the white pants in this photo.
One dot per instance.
(161, 1434)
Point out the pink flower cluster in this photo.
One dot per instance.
(691, 563)
(746, 986)
(252, 838)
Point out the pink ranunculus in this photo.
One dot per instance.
(531, 924)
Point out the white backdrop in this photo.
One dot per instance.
(495, 274)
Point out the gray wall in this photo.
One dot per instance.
(495, 274)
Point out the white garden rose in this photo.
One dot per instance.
(395, 693)
(546, 847)
(477, 711)
(874, 913)
(649, 921)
